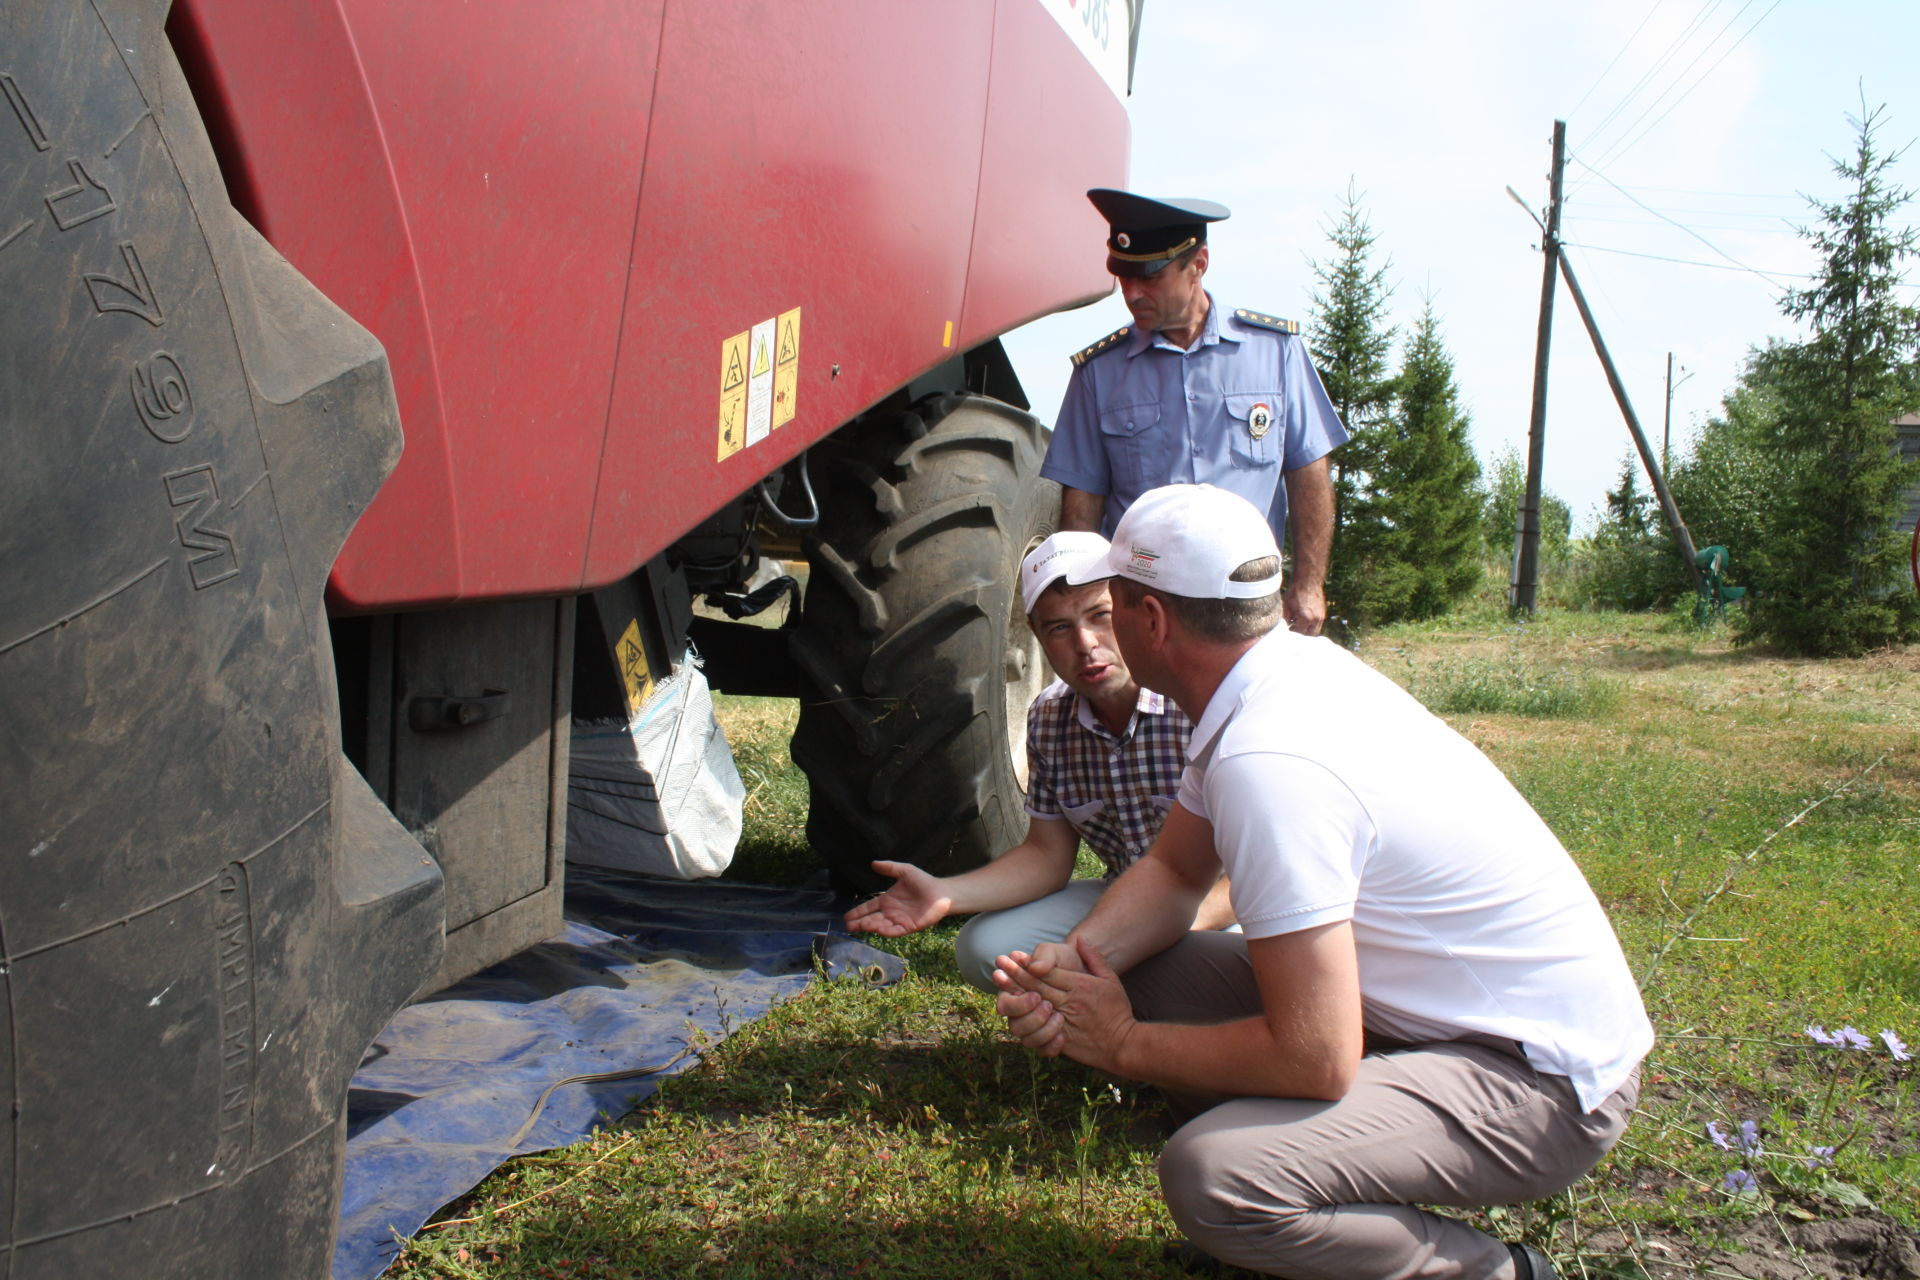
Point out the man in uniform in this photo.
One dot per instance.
(1192, 392)
(1428, 1007)
(1103, 759)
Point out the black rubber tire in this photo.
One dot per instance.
(914, 641)
(205, 914)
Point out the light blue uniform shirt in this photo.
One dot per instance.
(1145, 413)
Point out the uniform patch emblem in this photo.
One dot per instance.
(1124, 240)
(1259, 420)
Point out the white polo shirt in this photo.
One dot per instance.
(1334, 795)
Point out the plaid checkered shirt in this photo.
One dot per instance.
(1115, 789)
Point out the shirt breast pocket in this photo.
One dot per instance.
(1134, 445)
(1253, 425)
(1082, 815)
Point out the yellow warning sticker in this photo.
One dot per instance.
(633, 667)
(733, 395)
(786, 366)
(760, 383)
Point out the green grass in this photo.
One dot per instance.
(896, 1133)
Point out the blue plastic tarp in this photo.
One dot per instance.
(463, 1080)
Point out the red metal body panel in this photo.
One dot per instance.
(555, 220)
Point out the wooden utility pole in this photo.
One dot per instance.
(1666, 421)
(1654, 473)
(1526, 554)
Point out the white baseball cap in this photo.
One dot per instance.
(1080, 558)
(1187, 539)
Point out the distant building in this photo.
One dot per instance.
(1907, 428)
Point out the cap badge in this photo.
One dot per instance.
(1141, 561)
(1124, 240)
(1259, 420)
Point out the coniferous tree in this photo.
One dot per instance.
(1352, 342)
(1427, 494)
(1832, 562)
(1627, 506)
(1629, 563)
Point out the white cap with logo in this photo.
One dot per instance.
(1187, 540)
(1080, 558)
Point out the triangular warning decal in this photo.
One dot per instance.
(760, 364)
(735, 375)
(788, 347)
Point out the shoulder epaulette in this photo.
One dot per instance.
(1259, 320)
(1082, 357)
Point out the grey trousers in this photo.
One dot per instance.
(1317, 1190)
(997, 933)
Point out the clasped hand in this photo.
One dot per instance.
(1064, 999)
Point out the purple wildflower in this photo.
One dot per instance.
(1853, 1039)
(1820, 1157)
(1820, 1036)
(1750, 1138)
(1896, 1046)
(1736, 1182)
(1718, 1135)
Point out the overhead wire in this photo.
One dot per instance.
(1675, 222)
(1673, 83)
(1621, 149)
(1659, 64)
(1784, 230)
(1711, 266)
(1621, 53)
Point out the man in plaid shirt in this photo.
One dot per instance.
(1104, 760)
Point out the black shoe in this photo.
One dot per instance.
(1531, 1264)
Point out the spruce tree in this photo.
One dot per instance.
(1629, 563)
(1352, 342)
(1832, 562)
(1427, 491)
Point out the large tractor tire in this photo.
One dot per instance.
(914, 640)
(204, 913)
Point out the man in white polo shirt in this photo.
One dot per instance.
(1428, 1006)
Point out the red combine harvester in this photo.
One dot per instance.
(659, 294)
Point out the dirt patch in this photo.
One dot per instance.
(1865, 1246)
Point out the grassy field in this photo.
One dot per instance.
(1752, 823)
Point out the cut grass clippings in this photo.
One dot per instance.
(1751, 823)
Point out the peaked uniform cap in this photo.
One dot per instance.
(1145, 234)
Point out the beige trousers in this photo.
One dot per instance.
(1316, 1190)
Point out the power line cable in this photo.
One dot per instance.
(1765, 214)
(1622, 150)
(1659, 64)
(1673, 84)
(1710, 266)
(1674, 221)
(1598, 80)
(1587, 219)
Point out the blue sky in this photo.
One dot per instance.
(1432, 110)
